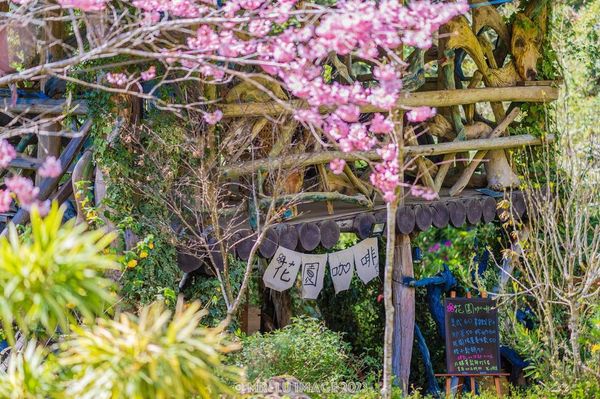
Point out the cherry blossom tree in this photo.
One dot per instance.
(288, 42)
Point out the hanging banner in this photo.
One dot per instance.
(313, 271)
(283, 269)
(366, 259)
(341, 267)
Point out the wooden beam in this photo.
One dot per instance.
(48, 185)
(404, 310)
(43, 106)
(302, 160)
(437, 98)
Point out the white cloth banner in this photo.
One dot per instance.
(341, 267)
(366, 259)
(313, 271)
(283, 269)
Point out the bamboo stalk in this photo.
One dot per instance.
(437, 98)
(301, 160)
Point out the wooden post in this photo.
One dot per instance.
(404, 311)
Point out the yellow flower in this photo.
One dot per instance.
(595, 348)
(143, 254)
(132, 263)
(151, 245)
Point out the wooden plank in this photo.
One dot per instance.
(423, 216)
(307, 159)
(405, 219)
(288, 236)
(330, 234)
(458, 213)
(404, 310)
(309, 236)
(437, 98)
(363, 224)
(474, 210)
(489, 209)
(44, 106)
(440, 215)
(48, 185)
(269, 244)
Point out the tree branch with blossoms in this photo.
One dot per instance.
(141, 48)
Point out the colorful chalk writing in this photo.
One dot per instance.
(472, 341)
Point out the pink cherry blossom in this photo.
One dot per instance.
(7, 153)
(50, 168)
(149, 74)
(337, 166)
(23, 188)
(420, 114)
(5, 200)
(85, 5)
(423, 192)
(214, 117)
(117, 79)
(381, 124)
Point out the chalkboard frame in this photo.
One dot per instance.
(449, 360)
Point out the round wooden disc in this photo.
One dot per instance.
(489, 209)
(309, 236)
(363, 224)
(215, 253)
(474, 211)
(288, 236)
(440, 215)
(458, 213)
(423, 217)
(405, 220)
(269, 244)
(518, 204)
(330, 234)
(244, 246)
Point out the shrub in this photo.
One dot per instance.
(305, 349)
(53, 276)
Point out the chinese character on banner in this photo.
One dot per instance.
(341, 267)
(313, 271)
(366, 258)
(283, 269)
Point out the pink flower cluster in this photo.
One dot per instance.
(117, 79)
(337, 166)
(149, 74)
(50, 168)
(7, 153)
(213, 118)
(21, 187)
(385, 174)
(420, 114)
(85, 5)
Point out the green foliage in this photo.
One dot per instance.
(150, 356)
(30, 375)
(455, 247)
(305, 349)
(54, 275)
(139, 167)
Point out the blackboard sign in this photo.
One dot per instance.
(472, 341)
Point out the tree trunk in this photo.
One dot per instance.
(404, 312)
(386, 391)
